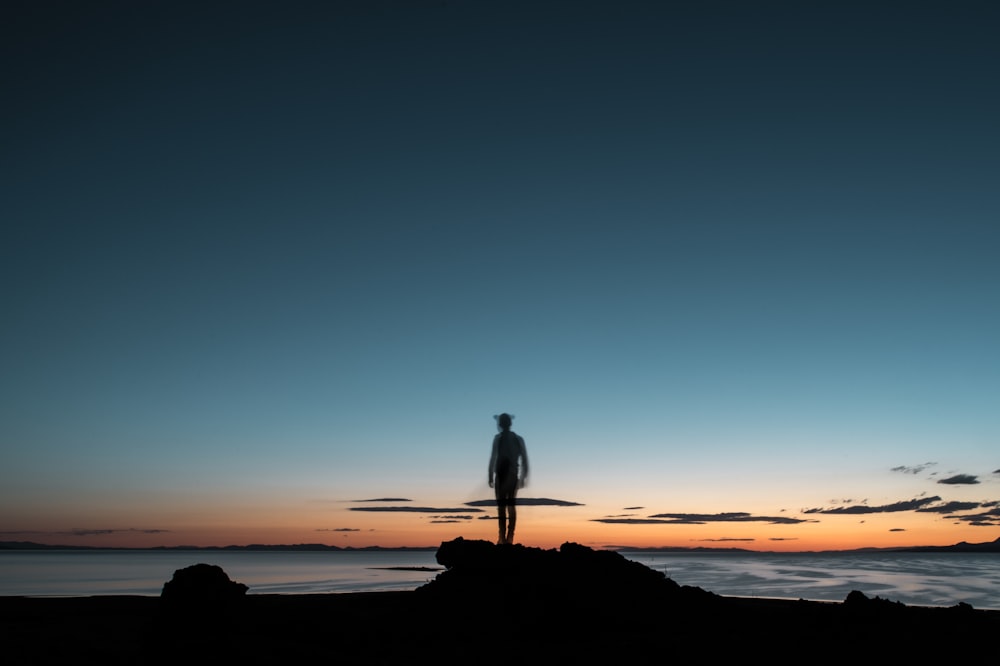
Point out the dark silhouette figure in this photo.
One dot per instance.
(508, 471)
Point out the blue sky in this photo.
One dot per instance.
(263, 260)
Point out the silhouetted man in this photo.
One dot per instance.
(508, 471)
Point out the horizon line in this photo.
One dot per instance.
(34, 545)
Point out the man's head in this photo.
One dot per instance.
(504, 421)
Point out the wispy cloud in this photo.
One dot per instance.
(701, 519)
(636, 521)
(412, 509)
(908, 505)
(81, 531)
(960, 479)
(913, 469)
(730, 517)
(338, 529)
(383, 499)
(989, 518)
(453, 518)
(99, 532)
(526, 501)
(950, 507)
(22, 532)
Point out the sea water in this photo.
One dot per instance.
(919, 579)
(143, 572)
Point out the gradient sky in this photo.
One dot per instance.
(270, 269)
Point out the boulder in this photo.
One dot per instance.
(203, 588)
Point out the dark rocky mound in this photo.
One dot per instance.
(572, 574)
(202, 588)
(860, 605)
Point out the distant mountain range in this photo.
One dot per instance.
(961, 547)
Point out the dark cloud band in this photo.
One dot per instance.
(526, 501)
(412, 509)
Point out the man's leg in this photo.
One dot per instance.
(503, 526)
(512, 518)
(501, 515)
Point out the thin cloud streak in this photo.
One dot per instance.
(951, 507)
(913, 469)
(960, 479)
(857, 509)
(410, 509)
(527, 501)
(101, 532)
(701, 519)
(85, 532)
(989, 518)
(733, 517)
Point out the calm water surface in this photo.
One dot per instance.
(922, 579)
(925, 579)
(143, 572)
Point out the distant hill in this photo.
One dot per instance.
(961, 547)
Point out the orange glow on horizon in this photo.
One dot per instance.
(333, 523)
(544, 531)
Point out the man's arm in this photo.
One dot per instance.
(524, 458)
(493, 463)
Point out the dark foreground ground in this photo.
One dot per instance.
(493, 605)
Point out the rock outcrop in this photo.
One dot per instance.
(201, 588)
(573, 575)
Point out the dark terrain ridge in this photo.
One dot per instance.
(491, 605)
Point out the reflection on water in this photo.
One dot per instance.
(921, 579)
